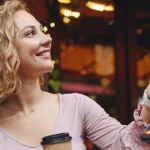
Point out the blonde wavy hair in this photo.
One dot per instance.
(9, 60)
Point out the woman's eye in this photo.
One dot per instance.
(31, 33)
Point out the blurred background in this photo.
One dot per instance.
(101, 48)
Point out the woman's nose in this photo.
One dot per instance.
(46, 40)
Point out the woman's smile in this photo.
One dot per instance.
(44, 54)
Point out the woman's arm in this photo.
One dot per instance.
(107, 133)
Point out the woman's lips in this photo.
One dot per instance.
(44, 54)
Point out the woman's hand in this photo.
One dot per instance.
(145, 112)
(148, 90)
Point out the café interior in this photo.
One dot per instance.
(100, 48)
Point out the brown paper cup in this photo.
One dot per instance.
(60, 141)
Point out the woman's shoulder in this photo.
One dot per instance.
(72, 99)
(80, 102)
(75, 99)
(72, 96)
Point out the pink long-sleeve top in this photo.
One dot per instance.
(82, 117)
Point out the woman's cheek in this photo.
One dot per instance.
(34, 46)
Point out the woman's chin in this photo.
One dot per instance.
(48, 69)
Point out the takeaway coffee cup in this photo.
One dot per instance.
(60, 141)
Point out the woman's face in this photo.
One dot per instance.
(32, 45)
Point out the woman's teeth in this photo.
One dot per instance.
(45, 54)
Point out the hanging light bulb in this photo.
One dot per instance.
(64, 1)
(99, 7)
(69, 13)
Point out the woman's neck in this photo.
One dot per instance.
(28, 98)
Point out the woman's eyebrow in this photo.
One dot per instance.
(29, 26)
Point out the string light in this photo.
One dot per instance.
(45, 29)
(83, 72)
(52, 24)
(48, 34)
(66, 20)
(139, 31)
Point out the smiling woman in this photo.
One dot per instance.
(27, 114)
